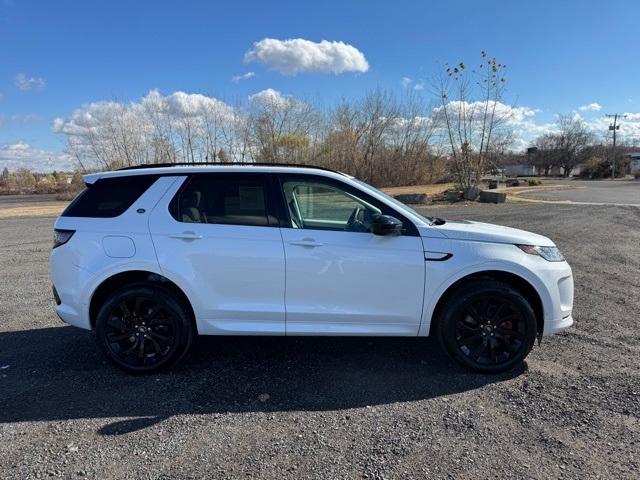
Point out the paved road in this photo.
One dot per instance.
(595, 191)
(338, 407)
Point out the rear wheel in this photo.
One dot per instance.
(143, 329)
(487, 326)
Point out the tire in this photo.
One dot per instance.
(143, 329)
(487, 326)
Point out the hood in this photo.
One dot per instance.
(484, 232)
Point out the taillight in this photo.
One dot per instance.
(60, 237)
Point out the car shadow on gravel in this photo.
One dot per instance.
(57, 374)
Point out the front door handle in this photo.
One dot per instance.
(306, 242)
(186, 236)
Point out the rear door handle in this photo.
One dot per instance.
(306, 243)
(186, 236)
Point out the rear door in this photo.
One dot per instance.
(218, 235)
(341, 278)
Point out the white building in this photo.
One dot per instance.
(634, 162)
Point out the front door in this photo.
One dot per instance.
(340, 278)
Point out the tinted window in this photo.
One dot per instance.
(223, 199)
(109, 197)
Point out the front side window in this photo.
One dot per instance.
(223, 199)
(316, 205)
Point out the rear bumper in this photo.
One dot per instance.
(69, 282)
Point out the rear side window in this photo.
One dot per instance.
(109, 197)
(227, 199)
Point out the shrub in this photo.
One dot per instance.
(596, 167)
(534, 182)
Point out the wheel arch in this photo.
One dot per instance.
(131, 277)
(524, 286)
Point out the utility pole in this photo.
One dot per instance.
(614, 127)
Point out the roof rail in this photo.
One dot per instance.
(231, 164)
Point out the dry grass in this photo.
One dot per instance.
(40, 210)
(432, 189)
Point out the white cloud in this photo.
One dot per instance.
(96, 132)
(22, 155)
(419, 86)
(520, 121)
(244, 76)
(591, 107)
(299, 55)
(187, 104)
(630, 117)
(405, 82)
(25, 83)
(182, 105)
(505, 113)
(270, 97)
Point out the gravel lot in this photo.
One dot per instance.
(626, 192)
(332, 408)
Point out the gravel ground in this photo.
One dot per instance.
(596, 191)
(332, 407)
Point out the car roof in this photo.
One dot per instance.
(189, 169)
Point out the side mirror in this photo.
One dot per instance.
(386, 225)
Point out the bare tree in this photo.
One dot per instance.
(281, 128)
(472, 116)
(546, 154)
(380, 138)
(566, 148)
(572, 139)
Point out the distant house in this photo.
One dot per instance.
(517, 165)
(519, 170)
(634, 162)
(525, 170)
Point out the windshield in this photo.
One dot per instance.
(397, 203)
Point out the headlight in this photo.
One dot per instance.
(551, 254)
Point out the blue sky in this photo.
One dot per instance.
(560, 54)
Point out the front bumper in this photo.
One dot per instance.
(558, 314)
(558, 326)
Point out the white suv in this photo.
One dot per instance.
(150, 257)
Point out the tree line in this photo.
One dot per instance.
(381, 138)
(24, 181)
(573, 144)
(463, 132)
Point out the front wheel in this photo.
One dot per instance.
(143, 329)
(487, 326)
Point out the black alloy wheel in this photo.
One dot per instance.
(143, 329)
(488, 326)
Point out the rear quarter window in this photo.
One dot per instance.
(109, 197)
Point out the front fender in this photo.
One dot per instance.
(441, 276)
